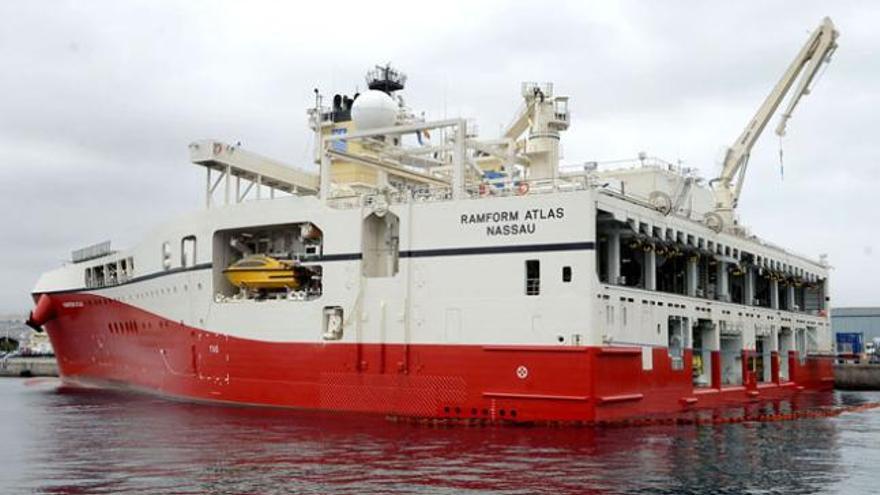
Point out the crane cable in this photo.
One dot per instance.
(812, 84)
(781, 164)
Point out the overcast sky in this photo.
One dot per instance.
(98, 101)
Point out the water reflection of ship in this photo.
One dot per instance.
(233, 449)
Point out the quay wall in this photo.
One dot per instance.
(857, 376)
(29, 366)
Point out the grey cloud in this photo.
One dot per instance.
(100, 99)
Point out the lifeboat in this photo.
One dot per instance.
(258, 272)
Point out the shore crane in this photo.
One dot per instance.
(727, 186)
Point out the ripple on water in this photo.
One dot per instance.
(93, 441)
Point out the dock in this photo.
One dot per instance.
(857, 376)
(28, 366)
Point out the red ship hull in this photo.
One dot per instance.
(106, 342)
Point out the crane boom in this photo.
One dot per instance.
(817, 50)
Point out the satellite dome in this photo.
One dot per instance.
(374, 109)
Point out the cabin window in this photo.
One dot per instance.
(110, 274)
(566, 274)
(130, 267)
(122, 270)
(98, 273)
(89, 281)
(188, 251)
(533, 277)
(166, 255)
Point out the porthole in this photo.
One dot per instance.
(566, 274)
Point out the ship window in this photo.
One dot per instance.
(98, 280)
(188, 251)
(166, 255)
(566, 274)
(130, 267)
(251, 264)
(533, 277)
(110, 273)
(89, 278)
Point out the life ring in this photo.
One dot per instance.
(522, 189)
(484, 189)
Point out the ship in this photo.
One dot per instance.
(419, 270)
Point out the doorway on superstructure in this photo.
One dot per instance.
(671, 269)
(677, 340)
(704, 342)
(731, 359)
(381, 245)
(763, 288)
(760, 364)
(800, 343)
(632, 261)
(786, 344)
(188, 252)
(782, 295)
(737, 289)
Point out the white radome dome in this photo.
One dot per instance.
(373, 109)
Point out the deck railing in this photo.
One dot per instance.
(490, 188)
